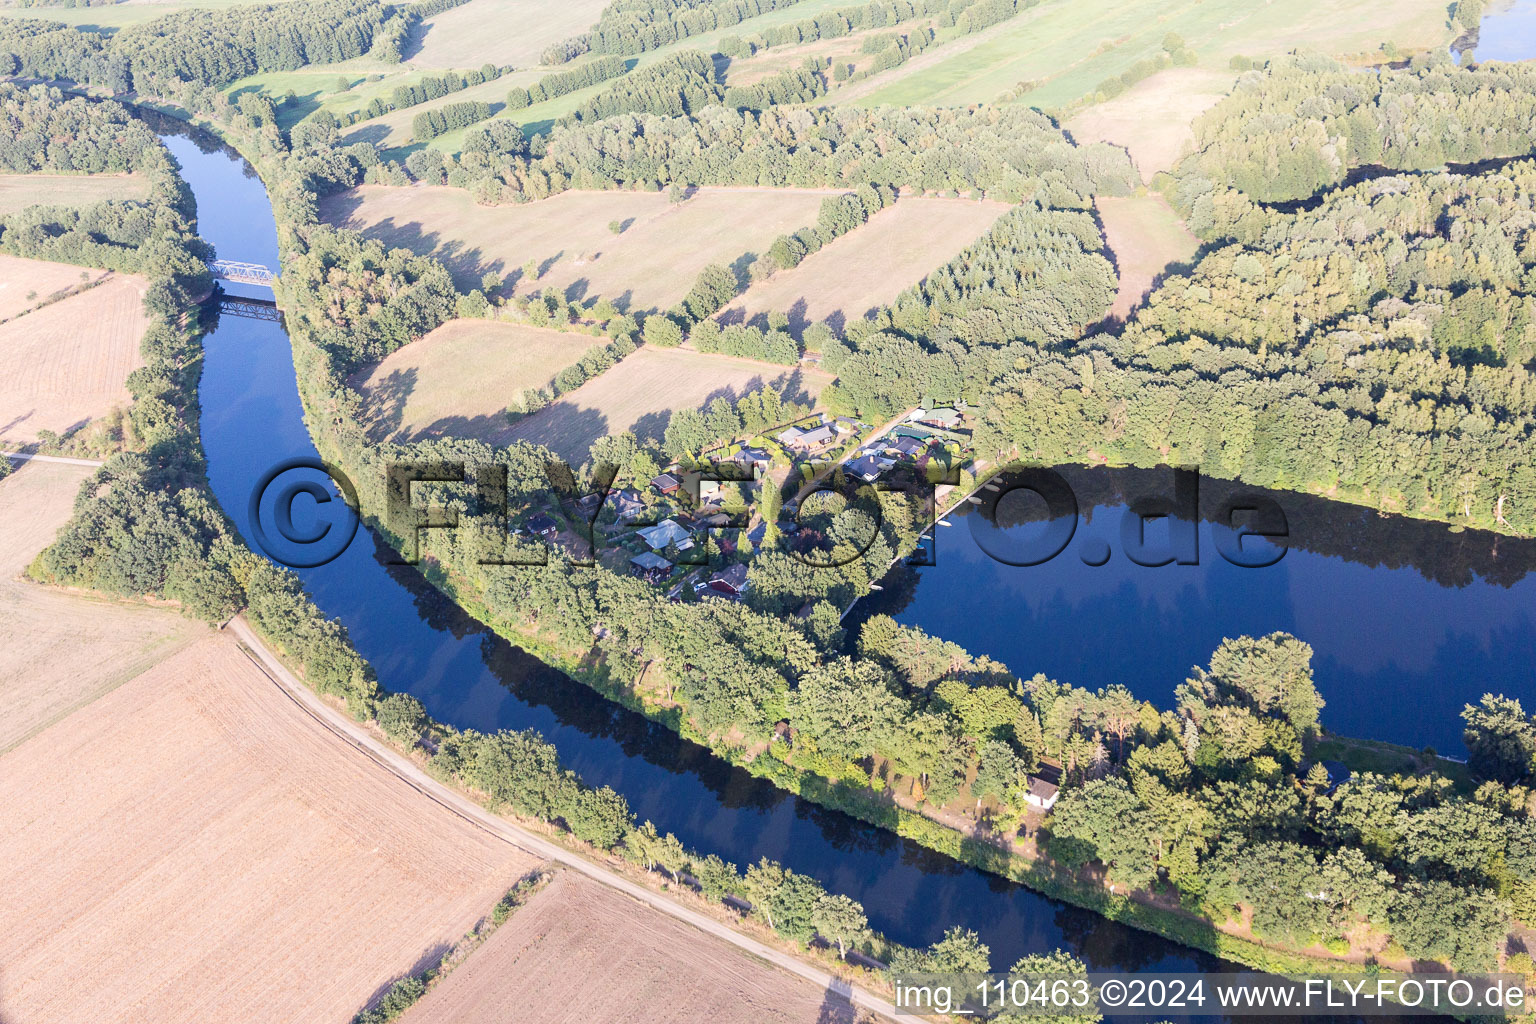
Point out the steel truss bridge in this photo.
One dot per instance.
(242, 273)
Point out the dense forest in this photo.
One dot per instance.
(1009, 153)
(1378, 345)
(204, 47)
(1305, 122)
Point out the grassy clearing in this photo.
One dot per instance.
(392, 131)
(18, 191)
(641, 392)
(67, 362)
(651, 264)
(1146, 236)
(871, 265)
(502, 32)
(1389, 759)
(1154, 119)
(1062, 51)
(426, 388)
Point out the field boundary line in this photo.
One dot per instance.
(513, 834)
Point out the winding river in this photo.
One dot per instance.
(422, 644)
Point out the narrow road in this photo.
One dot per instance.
(410, 773)
(24, 457)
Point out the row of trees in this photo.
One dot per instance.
(449, 117)
(600, 69)
(681, 84)
(1009, 153)
(635, 26)
(832, 24)
(433, 87)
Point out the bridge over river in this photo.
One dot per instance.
(242, 273)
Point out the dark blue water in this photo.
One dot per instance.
(421, 644)
(1408, 621)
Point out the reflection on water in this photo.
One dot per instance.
(1408, 620)
(1507, 32)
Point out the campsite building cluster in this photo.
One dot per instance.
(694, 528)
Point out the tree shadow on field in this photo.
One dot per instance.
(837, 1005)
(372, 132)
(415, 39)
(799, 318)
(341, 208)
(385, 402)
(431, 958)
(741, 269)
(563, 427)
(652, 425)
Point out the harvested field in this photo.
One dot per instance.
(500, 31)
(18, 191)
(870, 266)
(20, 278)
(650, 265)
(640, 393)
(580, 952)
(66, 363)
(1146, 236)
(1154, 119)
(195, 847)
(427, 388)
(60, 650)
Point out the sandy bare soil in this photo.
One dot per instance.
(456, 380)
(650, 265)
(870, 266)
(1146, 237)
(195, 847)
(640, 393)
(580, 952)
(66, 363)
(1154, 119)
(60, 650)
